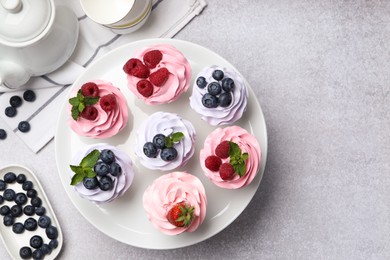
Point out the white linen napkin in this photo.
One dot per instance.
(166, 19)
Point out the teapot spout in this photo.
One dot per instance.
(12, 76)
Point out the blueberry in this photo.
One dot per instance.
(36, 241)
(4, 210)
(168, 154)
(227, 84)
(225, 99)
(9, 194)
(29, 210)
(218, 74)
(18, 228)
(10, 177)
(101, 168)
(40, 211)
(36, 202)
(29, 95)
(90, 183)
(10, 111)
(3, 134)
(25, 252)
(52, 232)
(30, 224)
(46, 249)
(44, 221)
(24, 126)
(159, 141)
(21, 178)
(150, 150)
(201, 82)
(1, 199)
(214, 88)
(16, 211)
(115, 169)
(37, 254)
(31, 193)
(27, 185)
(8, 220)
(209, 101)
(3, 185)
(20, 198)
(105, 183)
(107, 156)
(15, 101)
(53, 244)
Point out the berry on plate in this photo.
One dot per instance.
(145, 88)
(222, 150)
(108, 102)
(213, 163)
(136, 68)
(226, 171)
(152, 58)
(90, 89)
(159, 77)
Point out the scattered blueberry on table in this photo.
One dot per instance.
(3, 134)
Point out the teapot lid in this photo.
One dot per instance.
(23, 22)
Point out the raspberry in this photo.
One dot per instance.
(222, 150)
(213, 162)
(108, 102)
(145, 88)
(159, 77)
(136, 68)
(89, 113)
(152, 58)
(90, 89)
(226, 171)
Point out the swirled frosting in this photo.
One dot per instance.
(121, 183)
(169, 190)
(247, 143)
(180, 73)
(106, 124)
(220, 115)
(166, 123)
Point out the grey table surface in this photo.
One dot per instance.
(320, 70)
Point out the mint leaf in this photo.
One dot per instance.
(245, 156)
(81, 107)
(237, 159)
(90, 100)
(80, 102)
(168, 141)
(90, 159)
(78, 177)
(74, 101)
(176, 137)
(234, 149)
(76, 169)
(240, 169)
(88, 172)
(75, 112)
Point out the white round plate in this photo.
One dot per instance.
(125, 219)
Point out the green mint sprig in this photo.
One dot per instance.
(237, 158)
(79, 102)
(85, 169)
(173, 138)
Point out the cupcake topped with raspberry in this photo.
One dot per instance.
(230, 157)
(219, 95)
(158, 74)
(176, 203)
(165, 141)
(97, 109)
(101, 173)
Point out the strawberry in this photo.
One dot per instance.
(108, 102)
(136, 68)
(152, 58)
(90, 89)
(145, 88)
(89, 113)
(181, 215)
(213, 162)
(226, 171)
(159, 77)
(222, 150)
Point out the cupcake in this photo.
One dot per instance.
(101, 173)
(158, 74)
(230, 157)
(165, 141)
(219, 95)
(97, 109)
(175, 203)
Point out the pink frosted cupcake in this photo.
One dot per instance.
(98, 110)
(175, 203)
(158, 74)
(230, 157)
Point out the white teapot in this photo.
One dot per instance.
(36, 37)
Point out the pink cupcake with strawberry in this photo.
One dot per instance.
(158, 74)
(230, 157)
(97, 109)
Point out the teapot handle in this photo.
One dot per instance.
(12, 76)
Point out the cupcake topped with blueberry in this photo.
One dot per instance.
(101, 173)
(165, 141)
(219, 95)
(158, 74)
(97, 109)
